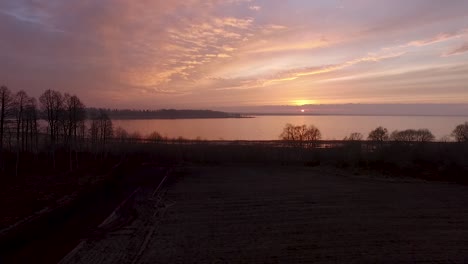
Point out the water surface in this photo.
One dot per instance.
(269, 127)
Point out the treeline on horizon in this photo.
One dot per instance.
(303, 133)
(162, 114)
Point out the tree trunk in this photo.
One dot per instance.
(2, 122)
(17, 163)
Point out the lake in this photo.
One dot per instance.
(270, 127)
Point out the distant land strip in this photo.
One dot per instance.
(163, 114)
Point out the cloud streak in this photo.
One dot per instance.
(457, 51)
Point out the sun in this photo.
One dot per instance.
(302, 110)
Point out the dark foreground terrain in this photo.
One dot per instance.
(50, 233)
(251, 214)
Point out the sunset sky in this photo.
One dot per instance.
(212, 53)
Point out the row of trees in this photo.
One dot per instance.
(460, 134)
(66, 127)
(18, 116)
(309, 134)
(408, 135)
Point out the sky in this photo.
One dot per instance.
(237, 53)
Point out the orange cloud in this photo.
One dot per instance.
(267, 47)
(295, 74)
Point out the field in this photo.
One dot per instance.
(285, 214)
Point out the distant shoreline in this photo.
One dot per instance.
(128, 114)
(332, 114)
(178, 118)
(254, 115)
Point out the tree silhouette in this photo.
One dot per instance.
(355, 136)
(101, 131)
(5, 111)
(121, 135)
(412, 135)
(32, 126)
(300, 134)
(52, 105)
(288, 133)
(460, 133)
(20, 101)
(378, 134)
(72, 118)
(155, 137)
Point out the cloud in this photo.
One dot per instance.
(234, 22)
(436, 39)
(260, 81)
(265, 46)
(457, 51)
(223, 55)
(399, 16)
(297, 73)
(255, 7)
(141, 44)
(272, 77)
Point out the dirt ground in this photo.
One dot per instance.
(243, 214)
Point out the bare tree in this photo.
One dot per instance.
(6, 101)
(378, 134)
(135, 137)
(5, 111)
(155, 137)
(74, 115)
(288, 133)
(101, 131)
(94, 133)
(424, 135)
(52, 105)
(460, 133)
(412, 135)
(77, 115)
(301, 134)
(312, 133)
(32, 126)
(121, 135)
(355, 136)
(20, 101)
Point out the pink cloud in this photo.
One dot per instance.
(439, 38)
(459, 50)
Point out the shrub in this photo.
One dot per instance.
(300, 134)
(420, 135)
(155, 137)
(378, 134)
(356, 136)
(460, 133)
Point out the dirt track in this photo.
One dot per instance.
(286, 215)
